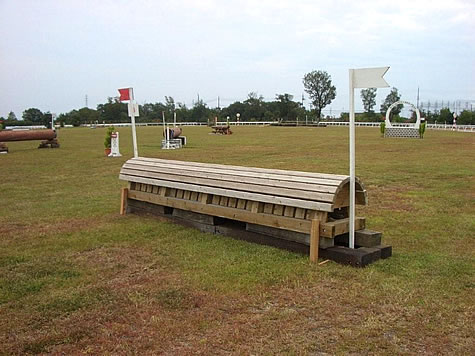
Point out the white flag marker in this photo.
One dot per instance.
(128, 94)
(370, 77)
(360, 78)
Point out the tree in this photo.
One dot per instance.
(33, 115)
(200, 111)
(287, 108)
(254, 107)
(369, 99)
(170, 104)
(318, 85)
(392, 97)
(445, 116)
(113, 111)
(466, 117)
(11, 116)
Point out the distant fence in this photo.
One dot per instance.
(192, 123)
(448, 127)
(33, 127)
(464, 128)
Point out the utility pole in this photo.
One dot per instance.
(417, 98)
(218, 102)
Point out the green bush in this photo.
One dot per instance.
(382, 128)
(422, 129)
(107, 141)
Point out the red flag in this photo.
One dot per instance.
(124, 94)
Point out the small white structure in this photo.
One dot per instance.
(115, 145)
(402, 130)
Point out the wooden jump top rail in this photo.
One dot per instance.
(315, 191)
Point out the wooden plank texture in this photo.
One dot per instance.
(300, 203)
(327, 229)
(314, 240)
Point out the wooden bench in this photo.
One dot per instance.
(303, 207)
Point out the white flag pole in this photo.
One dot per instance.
(352, 163)
(134, 133)
(359, 78)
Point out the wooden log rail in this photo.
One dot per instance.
(277, 199)
(27, 135)
(48, 138)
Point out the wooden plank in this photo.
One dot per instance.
(223, 201)
(225, 212)
(235, 185)
(183, 164)
(307, 204)
(123, 200)
(299, 213)
(186, 195)
(205, 198)
(289, 211)
(162, 191)
(278, 210)
(232, 202)
(155, 189)
(194, 196)
(318, 185)
(149, 188)
(314, 240)
(241, 204)
(299, 225)
(179, 193)
(342, 226)
(216, 199)
(268, 208)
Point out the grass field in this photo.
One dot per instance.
(76, 277)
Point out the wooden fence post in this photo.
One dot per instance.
(314, 240)
(123, 200)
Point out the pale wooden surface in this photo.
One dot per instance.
(314, 240)
(305, 190)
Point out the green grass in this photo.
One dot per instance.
(76, 277)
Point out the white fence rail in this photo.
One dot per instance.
(463, 128)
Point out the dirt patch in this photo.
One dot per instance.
(22, 230)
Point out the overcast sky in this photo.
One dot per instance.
(54, 53)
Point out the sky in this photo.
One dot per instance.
(55, 52)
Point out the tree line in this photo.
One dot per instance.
(317, 84)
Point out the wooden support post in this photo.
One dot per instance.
(123, 200)
(314, 240)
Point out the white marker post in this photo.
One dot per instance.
(128, 94)
(360, 78)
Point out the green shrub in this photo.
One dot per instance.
(382, 128)
(107, 141)
(422, 129)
